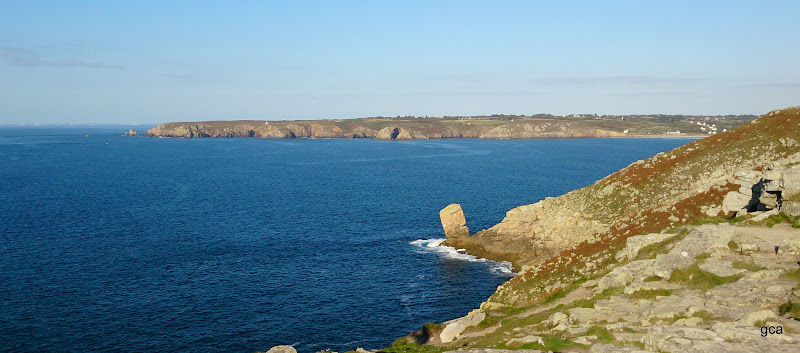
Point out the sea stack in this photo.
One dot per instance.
(131, 132)
(453, 222)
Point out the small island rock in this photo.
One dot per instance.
(131, 132)
(453, 221)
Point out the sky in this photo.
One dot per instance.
(125, 62)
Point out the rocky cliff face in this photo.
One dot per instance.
(545, 130)
(382, 129)
(454, 222)
(753, 167)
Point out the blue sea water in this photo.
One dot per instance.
(130, 244)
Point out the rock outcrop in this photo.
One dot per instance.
(454, 222)
(786, 189)
(396, 133)
(778, 188)
(706, 239)
(282, 349)
(131, 132)
(454, 328)
(636, 243)
(536, 231)
(635, 271)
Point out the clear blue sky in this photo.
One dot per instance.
(150, 62)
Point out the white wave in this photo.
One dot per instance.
(435, 245)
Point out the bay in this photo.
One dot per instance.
(131, 244)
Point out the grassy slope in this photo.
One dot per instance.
(641, 200)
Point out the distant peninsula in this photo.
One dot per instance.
(483, 127)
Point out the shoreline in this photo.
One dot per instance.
(694, 137)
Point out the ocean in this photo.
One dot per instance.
(132, 244)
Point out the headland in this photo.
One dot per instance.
(483, 127)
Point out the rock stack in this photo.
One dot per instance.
(453, 222)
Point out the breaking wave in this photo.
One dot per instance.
(435, 245)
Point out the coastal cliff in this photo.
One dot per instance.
(485, 127)
(381, 130)
(720, 176)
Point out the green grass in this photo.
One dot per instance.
(563, 291)
(650, 294)
(773, 220)
(489, 321)
(703, 256)
(507, 323)
(695, 278)
(417, 348)
(657, 248)
(793, 309)
(706, 316)
(652, 279)
(781, 218)
(792, 274)
(558, 294)
(747, 265)
(613, 291)
(603, 336)
(675, 230)
(429, 329)
(553, 343)
(732, 245)
(638, 344)
(405, 340)
(628, 330)
(432, 326)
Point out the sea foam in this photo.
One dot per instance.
(435, 245)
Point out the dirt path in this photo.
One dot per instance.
(767, 238)
(579, 293)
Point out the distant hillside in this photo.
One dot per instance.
(489, 127)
